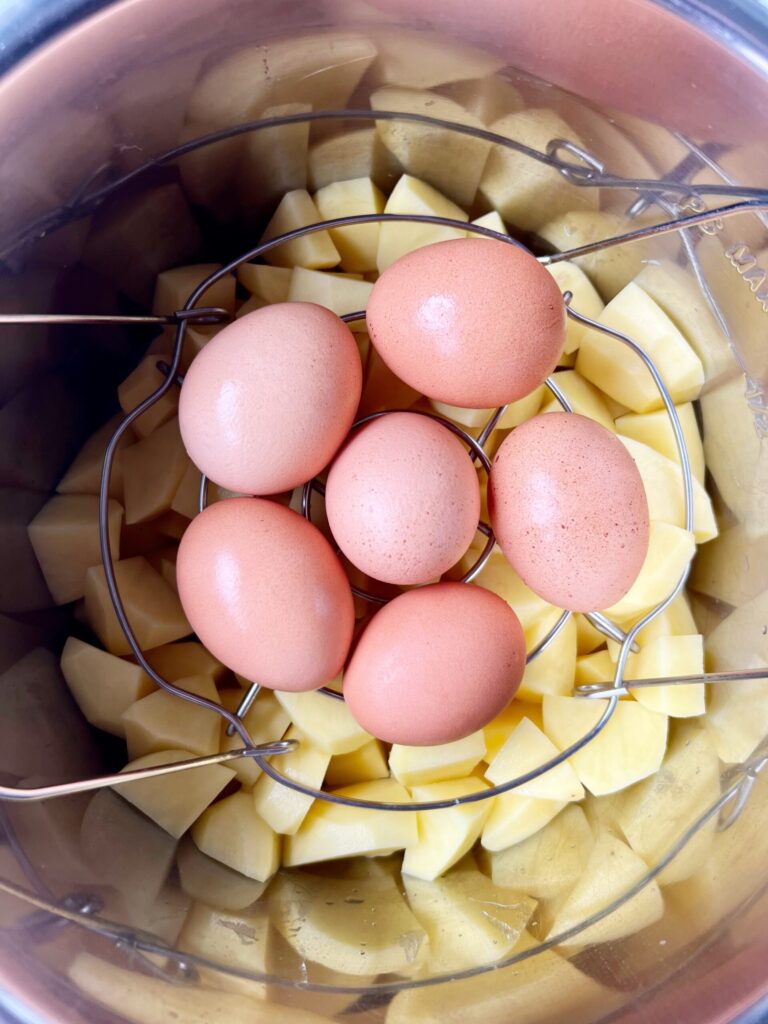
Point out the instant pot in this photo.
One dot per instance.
(94, 91)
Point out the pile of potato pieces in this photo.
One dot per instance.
(573, 840)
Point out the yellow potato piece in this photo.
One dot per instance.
(611, 870)
(671, 657)
(490, 220)
(586, 300)
(359, 244)
(516, 413)
(469, 919)
(617, 370)
(382, 389)
(422, 61)
(137, 386)
(598, 667)
(365, 764)
(266, 721)
(499, 577)
(733, 568)
(670, 550)
(488, 98)
(316, 250)
(269, 283)
(629, 748)
(153, 468)
(358, 153)
(527, 192)
(272, 161)
(412, 196)
(676, 620)
(498, 730)
(84, 473)
(528, 748)
(588, 639)
(339, 294)
(239, 938)
(331, 831)
(655, 430)
(212, 882)
(514, 818)
(174, 287)
(417, 766)
(445, 835)
(65, 538)
(103, 686)
(551, 861)
(174, 801)
(282, 808)
(554, 670)
(325, 721)
(584, 398)
(358, 927)
(152, 607)
(162, 721)
(175, 661)
(232, 832)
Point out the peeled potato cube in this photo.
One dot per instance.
(174, 801)
(174, 287)
(358, 927)
(611, 869)
(232, 832)
(65, 538)
(332, 831)
(528, 748)
(550, 862)
(339, 294)
(445, 835)
(365, 764)
(715, 574)
(412, 196)
(163, 721)
(498, 731)
(272, 161)
(153, 469)
(469, 920)
(417, 766)
(527, 192)
(422, 61)
(671, 657)
(488, 98)
(382, 389)
(514, 818)
(84, 473)
(269, 283)
(584, 398)
(357, 245)
(236, 936)
(676, 620)
(516, 412)
(177, 661)
(103, 686)
(325, 721)
(597, 668)
(266, 721)
(490, 220)
(212, 882)
(618, 371)
(670, 550)
(359, 153)
(655, 430)
(554, 670)
(586, 300)
(137, 386)
(315, 251)
(499, 577)
(588, 638)
(152, 607)
(283, 809)
(629, 748)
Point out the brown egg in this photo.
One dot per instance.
(435, 664)
(569, 510)
(265, 593)
(403, 499)
(473, 322)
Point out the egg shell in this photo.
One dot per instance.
(569, 510)
(435, 664)
(473, 322)
(266, 594)
(268, 401)
(403, 499)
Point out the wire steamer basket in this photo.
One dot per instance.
(673, 196)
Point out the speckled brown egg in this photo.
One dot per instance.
(403, 499)
(473, 322)
(435, 664)
(569, 511)
(265, 593)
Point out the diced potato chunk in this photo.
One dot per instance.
(103, 686)
(269, 283)
(528, 748)
(266, 721)
(212, 882)
(554, 670)
(357, 245)
(487, 98)
(358, 927)
(499, 577)
(232, 832)
(283, 809)
(664, 490)
(174, 287)
(670, 550)
(517, 412)
(596, 668)
(163, 721)
(571, 278)
(326, 722)
(629, 748)
(527, 192)
(174, 801)
(331, 831)
(272, 161)
(490, 220)
(84, 473)
(611, 870)
(417, 766)
(654, 814)
(137, 386)
(339, 294)
(676, 620)
(239, 938)
(584, 398)
(153, 470)
(617, 370)
(422, 61)
(65, 537)
(382, 389)
(671, 657)
(469, 919)
(152, 607)
(316, 250)
(733, 568)
(411, 196)
(588, 638)
(365, 764)
(514, 818)
(655, 430)
(359, 153)
(497, 731)
(177, 661)
(445, 835)
(550, 862)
